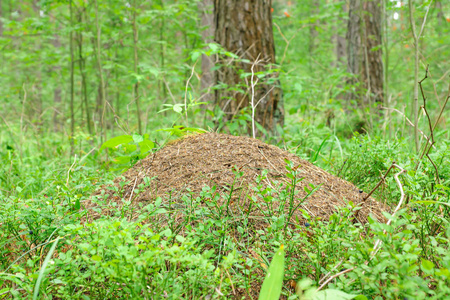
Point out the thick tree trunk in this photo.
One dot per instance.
(372, 74)
(364, 50)
(354, 52)
(244, 27)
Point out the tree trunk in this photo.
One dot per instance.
(206, 8)
(244, 27)
(364, 50)
(354, 42)
(372, 74)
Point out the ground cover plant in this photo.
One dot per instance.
(128, 171)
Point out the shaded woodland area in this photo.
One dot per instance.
(105, 68)
(129, 165)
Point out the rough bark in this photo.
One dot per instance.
(354, 40)
(244, 27)
(206, 8)
(364, 50)
(372, 74)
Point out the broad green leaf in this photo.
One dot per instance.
(146, 145)
(137, 138)
(427, 265)
(129, 148)
(122, 160)
(116, 141)
(271, 288)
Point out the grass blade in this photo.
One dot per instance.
(44, 266)
(271, 288)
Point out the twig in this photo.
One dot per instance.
(383, 178)
(131, 194)
(416, 38)
(253, 95)
(328, 274)
(426, 150)
(447, 97)
(333, 277)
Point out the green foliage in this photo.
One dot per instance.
(128, 148)
(271, 288)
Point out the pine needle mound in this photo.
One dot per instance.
(188, 164)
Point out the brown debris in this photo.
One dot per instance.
(208, 159)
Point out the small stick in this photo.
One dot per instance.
(131, 194)
(383, 178)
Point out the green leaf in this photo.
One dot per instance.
(213, 47)
(146, 145)
(178, 108)
(96, 258)
(271, 288)
(137, 138)
(130, 148)
(195, 55)
(122, 160)
(77, 205)
(116, 141)
(427, 265)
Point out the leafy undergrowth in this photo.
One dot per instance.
(218, 255)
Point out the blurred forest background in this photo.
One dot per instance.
(92, 70)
